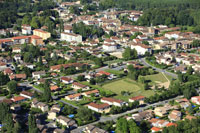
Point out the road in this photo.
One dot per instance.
(115, 117)
(142, 60)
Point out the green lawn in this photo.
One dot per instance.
(156, 78)
(114, 71)
(127, 84)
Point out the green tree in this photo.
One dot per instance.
(129, 54)
(12, 86)
(32, 127)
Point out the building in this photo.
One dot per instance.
(109, 47)
(141, 48)
(54, 88)
(78, 86)
(137, 98)
(70, 37)
(69, 123)
(74, 97)
(92, 92)
(27, 94)
(18, 99)
(38, 75)
(36, 104)
(16, 50)
(112, 101)
(36, 40)
(26, 29)
(174, 115)
(43, 34)
(20, 39)
(160, 111)
(66, 80)
(93, 129)
(196, 100)
(17, 76)
(100, 108)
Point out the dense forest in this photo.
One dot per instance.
(11, 10)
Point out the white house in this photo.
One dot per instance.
(171, 35)
(16, 50)
(67, 80)
(196, 100)
(26, 29)
(112, 101)
(27, 94)
(69, 37)
(109, 47)
(78, 86)
(101, 108)
(38, 75)
(141, 48)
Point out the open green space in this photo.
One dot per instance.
(115, 72)
(156, 78)
(127, 84)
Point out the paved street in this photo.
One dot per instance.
(142, 60)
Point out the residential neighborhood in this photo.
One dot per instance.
(89, 66)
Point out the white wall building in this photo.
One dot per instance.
(69, 37)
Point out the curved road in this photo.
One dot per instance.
(142, 60)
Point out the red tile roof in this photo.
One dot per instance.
(156, 129)
(137, 98)
(171, 124)
(18, 98)
(66, 79)
(99, 106)
(111, 100)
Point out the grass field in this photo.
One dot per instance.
(114, 71)
(127, 84)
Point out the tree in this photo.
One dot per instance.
(99, 62)
(17, 128)
(129, 54)
(190, 70)
(35, 23)
(81, 78)
(12, 86)
(133, 128)
(146, 86)
(32, 127)
(188, 93)
(141, 79)
(122, 125)
(47, 94)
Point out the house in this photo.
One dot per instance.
(100, 108)
(20, 39)
(158, 122)
(16, 107)
(18, 99)
(41, 33)
(54, 88)
(144, 115)
(57, 130)
(156, 129)
(36, 40)
(109, 47)
(77, 66)
(27, 94)
(78, 86)
(37, 75)
(174, 115)
(16, 50)
(196, 100)
(92, 92)
(36, 104)
(52, 114)
(93, 129)
(137, 98)
(171, 35)
(69, 123)
(17, 76)
(26, 29)
(112, 101)
(68, 29)
(74, 97)
(141, 48)
(180, 68)
(70, 37)
(160, 111)
(189, 117)
(3, 66)
(171, 124)
(8, 71)
(17, 57)
(66, 80)
(109, 75)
